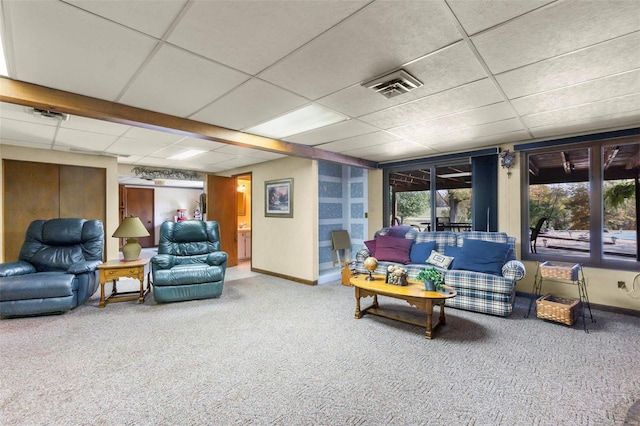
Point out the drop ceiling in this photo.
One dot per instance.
(492, 73)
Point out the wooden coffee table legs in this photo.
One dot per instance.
(424, 305)
(441, 319)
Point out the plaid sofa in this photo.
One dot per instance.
(479, 292)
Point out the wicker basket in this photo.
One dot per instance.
(565, 311)
(560, 270)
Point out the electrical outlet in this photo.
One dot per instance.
(621, 284)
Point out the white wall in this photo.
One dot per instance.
(286, 246)
(169, 200)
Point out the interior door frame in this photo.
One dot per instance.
(222, 206)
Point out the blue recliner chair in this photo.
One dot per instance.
(189, 264)
(56, 270)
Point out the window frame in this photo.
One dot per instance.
(595, 144)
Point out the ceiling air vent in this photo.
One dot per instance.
(394, 84)
(48, 114)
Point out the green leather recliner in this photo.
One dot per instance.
(189, 264)
(56, 269)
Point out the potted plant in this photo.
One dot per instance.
(432, 279)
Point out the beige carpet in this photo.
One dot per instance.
(271, 351)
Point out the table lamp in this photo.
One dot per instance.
(131, 228)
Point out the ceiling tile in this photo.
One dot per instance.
(155, 137)
(133, 147)
(22, 131)
(470, 133)
(333, 132)
(478, 15)
(247, 152)
(264, 155)
(240, 162)
(152, 17)
(156, 162)
(391, 150)
(556, 29)
(95, 126)
(251, 103)
(358, 142)
(591, 110)
(601, 60)
(591, 91)
(485, 114)
(469, 96)
(42, 46)
(196, 143)
(408, 155)
(188, 83)
(613, 121)
(484, 142)
(378, 39)
(263, 32)
(447, 68)
(22, 113)
(85, 140)
(130, 159)
(212, 157)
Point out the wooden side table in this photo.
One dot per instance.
(114, 269)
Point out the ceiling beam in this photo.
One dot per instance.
(31, 95)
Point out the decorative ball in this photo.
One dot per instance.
(371, 263)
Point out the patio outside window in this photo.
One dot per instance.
(588, 196)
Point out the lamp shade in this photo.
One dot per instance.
(131, 227)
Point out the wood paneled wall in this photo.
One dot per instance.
(45, 191)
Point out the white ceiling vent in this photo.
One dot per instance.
(394, 84)
(48, 114)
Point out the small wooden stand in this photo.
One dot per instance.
(114, 269)
(346, 274)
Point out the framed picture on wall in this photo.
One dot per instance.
(278, 198)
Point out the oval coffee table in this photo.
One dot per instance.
(414, 294)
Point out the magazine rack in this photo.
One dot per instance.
(570, 273)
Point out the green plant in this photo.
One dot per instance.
(432, 274)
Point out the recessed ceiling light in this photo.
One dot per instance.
(301, 120)
(187, 154)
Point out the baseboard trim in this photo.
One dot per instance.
(283, 276)
(606, 308)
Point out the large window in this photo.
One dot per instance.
(581, 203)
(434, 197)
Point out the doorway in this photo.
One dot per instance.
(244, 217)
(141, 202)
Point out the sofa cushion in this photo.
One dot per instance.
(371, 246)
(399, 231)
(453, 251)
(392, 249)
(41, 285)
(483, 256)
(421, 251)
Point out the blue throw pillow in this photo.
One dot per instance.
(482, 256)
(452, 251)
(421, 251)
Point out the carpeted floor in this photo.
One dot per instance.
(271, 351)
